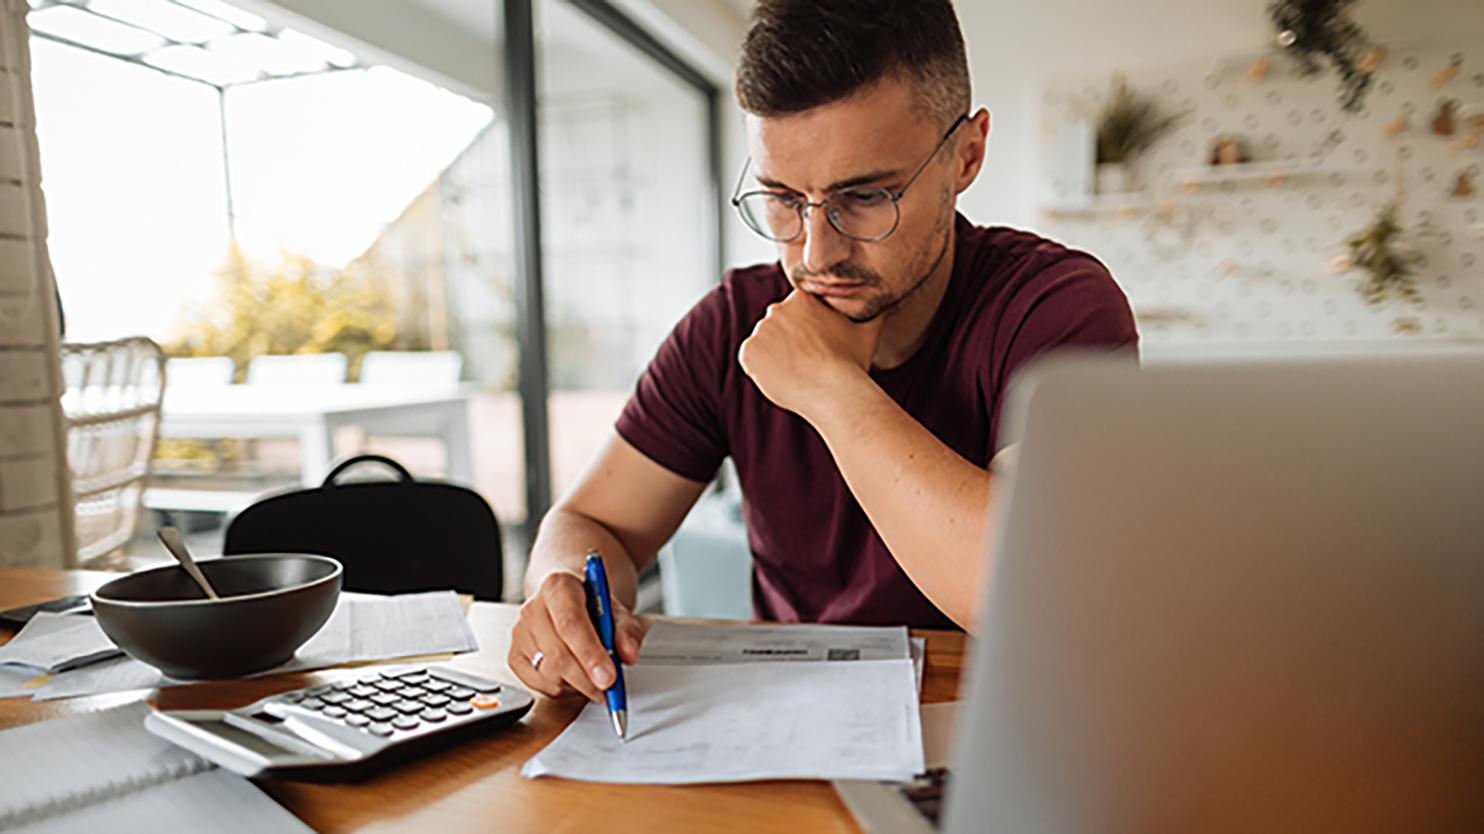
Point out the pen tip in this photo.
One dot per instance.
(621, 724)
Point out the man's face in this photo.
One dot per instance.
(876, 137)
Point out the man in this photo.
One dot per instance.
(856, 383)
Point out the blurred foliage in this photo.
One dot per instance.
(290, 306)
(1389, 263)
(1130, 123)
(1314, 29)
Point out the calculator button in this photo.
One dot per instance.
(433, 715)
(409, 692)
(319, 690)
(380, 713)
(342, 686)
(357, 720)
(435, 685)
(389, 685)
(381, 728)
(368, 678)
(433, 699)
(333, 712)
(459, 693)
(485, 701)
(334, 697)
(291, 697)
(392, 674)
(358, 705)
(311, 703)
(463, 679)
(459, 708)
(364, 691)
(404, 722)
(415, 678)
(409, 707)
(385, 698)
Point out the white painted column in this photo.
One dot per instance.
(36, 513)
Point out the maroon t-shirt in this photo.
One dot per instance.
(816, 557)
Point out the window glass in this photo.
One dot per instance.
(627, 221)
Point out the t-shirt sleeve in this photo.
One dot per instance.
(1073, 303)
(674, 416)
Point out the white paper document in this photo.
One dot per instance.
(695, 643)
(19, 680)
(50, 641)
(714, 721)
(363, 627)
(670, 642)
(367, 627)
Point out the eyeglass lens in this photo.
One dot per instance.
(863, 213)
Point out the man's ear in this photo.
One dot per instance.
(971, 150)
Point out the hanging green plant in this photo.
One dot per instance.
(1389, 263)
(1130, 123)
(1315, 29)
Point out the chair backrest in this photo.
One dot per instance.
(412, 368)
(305, 369)
(112, 400)
(392, 536)
(194, 371)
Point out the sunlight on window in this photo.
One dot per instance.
(320, 164)
(93, 31)
(173, 21)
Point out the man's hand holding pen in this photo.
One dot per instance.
(555, 649)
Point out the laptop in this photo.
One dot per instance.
(1230, 597)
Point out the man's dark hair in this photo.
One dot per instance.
(800, 54)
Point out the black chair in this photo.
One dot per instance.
(392, 536)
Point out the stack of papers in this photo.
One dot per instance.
(363, 627)
(723, 703)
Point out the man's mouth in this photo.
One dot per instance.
(834, 289)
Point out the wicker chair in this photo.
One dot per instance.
(112, 403)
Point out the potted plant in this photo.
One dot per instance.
(1129, 124)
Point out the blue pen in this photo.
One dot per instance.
(600, 608)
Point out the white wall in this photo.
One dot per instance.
(1014, 46)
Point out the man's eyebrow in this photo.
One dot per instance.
(864, 179)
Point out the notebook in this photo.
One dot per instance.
(103, 771)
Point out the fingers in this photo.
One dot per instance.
(629, 631)
(555, 623)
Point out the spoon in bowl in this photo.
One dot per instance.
(173, 543)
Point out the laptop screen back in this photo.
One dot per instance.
(1234, 598)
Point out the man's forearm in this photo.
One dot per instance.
(562, 545)
(929, 504)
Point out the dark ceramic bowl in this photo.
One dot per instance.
(271, 603)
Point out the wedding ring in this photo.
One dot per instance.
(536, 660)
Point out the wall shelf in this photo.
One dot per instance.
(1123, 204)
(1273, 172)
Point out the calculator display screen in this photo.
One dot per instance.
(242, 738)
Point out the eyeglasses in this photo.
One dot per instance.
(866, 213)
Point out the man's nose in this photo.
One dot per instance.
(824, 246)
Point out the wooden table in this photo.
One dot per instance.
(477, 786)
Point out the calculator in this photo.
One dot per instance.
(344, 731)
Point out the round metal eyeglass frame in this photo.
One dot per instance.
(831, 208)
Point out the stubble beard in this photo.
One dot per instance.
(881, 303)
